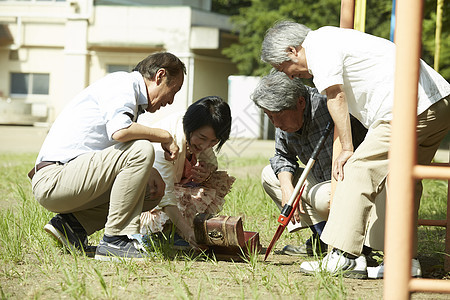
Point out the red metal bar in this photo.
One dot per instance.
(443, 223)
(447, 232)
(431, 172)
(429, 285)
(347, 19)
(402, 156)
(427, 222)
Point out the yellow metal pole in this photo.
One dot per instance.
(360, 15)
(437, 41)
(402, 155)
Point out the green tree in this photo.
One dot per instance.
(229, 7)
(256, 16)
(254, 20)
(428, 37)
(378, 17)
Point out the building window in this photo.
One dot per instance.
(33, 0)
(30, 83)
(117, 68)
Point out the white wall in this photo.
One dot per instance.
(247, 117)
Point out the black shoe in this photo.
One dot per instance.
(122, 248)
(66, 229)
(315, 247)
(306, 249)
(296, 250)
(179, 243)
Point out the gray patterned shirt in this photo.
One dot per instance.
(291, 147)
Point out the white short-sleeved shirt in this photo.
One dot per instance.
(88, 122)
(365, 65)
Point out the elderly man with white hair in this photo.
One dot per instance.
(356, 72)
(300, 115)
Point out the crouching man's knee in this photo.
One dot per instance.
(271, 185)
(144, 150)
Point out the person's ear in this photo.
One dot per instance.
(301, 103)
(293, 52)
(160, 74)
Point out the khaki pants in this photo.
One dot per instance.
(103, 189)
(365, 176)
(315, 197)
(316, 204)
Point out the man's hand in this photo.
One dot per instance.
(287, 189)
(155, 186)
(299, 209)
(338, 165)
(171, 150)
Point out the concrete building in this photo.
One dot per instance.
(51, 49)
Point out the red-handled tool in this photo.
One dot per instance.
(288, 209)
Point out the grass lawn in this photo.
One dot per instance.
(32, 265)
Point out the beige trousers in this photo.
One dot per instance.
(365, 176)
(315, 197)
(103, 189)
(316, 204)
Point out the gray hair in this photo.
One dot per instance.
(279, 38)
(276, 92)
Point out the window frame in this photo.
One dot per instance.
(31, 85)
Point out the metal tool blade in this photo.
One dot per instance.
(274, 240)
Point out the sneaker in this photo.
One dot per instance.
(305, 250)
(66, 229)
(378, 271)
(336, 262)
(124, 248)
(296, 250)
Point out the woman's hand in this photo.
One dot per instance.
(202, 171)
(339, 162)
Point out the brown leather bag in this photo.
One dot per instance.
(225, 235)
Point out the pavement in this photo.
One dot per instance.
(28, 139)
(22, 139)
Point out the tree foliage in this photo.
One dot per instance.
(428, 37)
(251, 19)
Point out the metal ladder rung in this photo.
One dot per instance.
(429, 285)
(431, 172)
(428, 222)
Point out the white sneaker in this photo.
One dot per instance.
(335, 262)
(378, 272)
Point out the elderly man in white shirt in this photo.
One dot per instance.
(95, 166)
(356, 72)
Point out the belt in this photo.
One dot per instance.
(39, 166)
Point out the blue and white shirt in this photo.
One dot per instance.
(291, 147)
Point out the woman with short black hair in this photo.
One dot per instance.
(193, 184)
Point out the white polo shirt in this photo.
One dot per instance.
(365, 65)
(88, 122)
